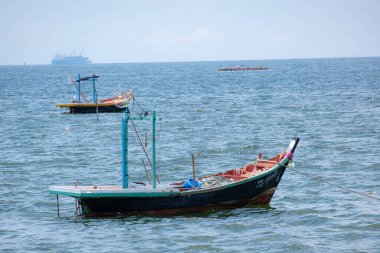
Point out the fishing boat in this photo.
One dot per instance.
(239, 68)
(84, 105)
(253, 183)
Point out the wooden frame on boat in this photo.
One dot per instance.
(82, 105)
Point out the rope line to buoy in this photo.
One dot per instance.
(338, 186)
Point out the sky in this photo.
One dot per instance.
(115, 31)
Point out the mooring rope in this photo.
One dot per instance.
(338, 186)
(142, 109)
(144, 112)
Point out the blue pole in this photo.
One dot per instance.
(93, 89)
(79, 87)
(154, 149)
(124, 147)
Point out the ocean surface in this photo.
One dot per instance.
(225, 119)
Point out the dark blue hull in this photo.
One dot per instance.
(92, 109)
(254, 191)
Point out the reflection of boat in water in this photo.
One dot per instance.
(239, 68)
(83, 105)
(61, 59)
(253, 183)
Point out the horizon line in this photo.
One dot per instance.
(185, 61)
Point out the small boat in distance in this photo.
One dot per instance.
(254, 183)
(83, 105)
(239, 68)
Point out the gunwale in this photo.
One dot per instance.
(113, 191)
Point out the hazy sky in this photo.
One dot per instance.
(108, 31)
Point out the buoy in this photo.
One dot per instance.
(189, 183)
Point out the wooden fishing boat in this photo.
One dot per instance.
(239, 68)
(83, 105)
(254, 183)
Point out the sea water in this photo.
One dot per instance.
(225, 119)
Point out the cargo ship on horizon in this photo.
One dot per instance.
(62, 59)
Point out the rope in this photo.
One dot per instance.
(338, 186)
(76, 86)
(142, 145)
(144, 112)
(142, 109)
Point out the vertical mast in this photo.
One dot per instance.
(124, 147)
(94, 89)
(154, 149)
(79, 87)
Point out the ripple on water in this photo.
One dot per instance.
(225, 119)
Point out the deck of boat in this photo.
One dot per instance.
(251, 170)
(109, 190)
(84, 105)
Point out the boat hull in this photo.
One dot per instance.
(91, 108)
(257, 191)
